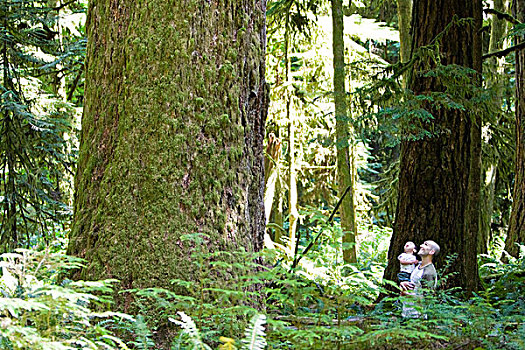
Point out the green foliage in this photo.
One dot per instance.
(221, 295)
(300, 13)
(41, 47)
(254, 335)
(305, 311)
(190, 329)
(306, 102)
(142, 334)
(518, 30)
(393, 113)
(38, 312)
(301, 310)
(322, 304)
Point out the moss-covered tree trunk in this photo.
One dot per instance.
(495, 81)
(516, 233)
(344, 146)
(172, 133)
(439, 176)
(404, 15)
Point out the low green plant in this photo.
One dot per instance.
(37, 311)
(254, 336)
(274, 306)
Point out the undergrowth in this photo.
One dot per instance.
(38, 310)
(254, 301)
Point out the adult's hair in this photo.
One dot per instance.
(434, 246)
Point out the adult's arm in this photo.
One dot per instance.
(409, 261)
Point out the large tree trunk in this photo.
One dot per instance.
(172, 133)
(345, 159)
(439, 176)
(516, 233)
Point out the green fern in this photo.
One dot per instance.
(143, 335)
(254, 336)
(228, 344)
(189, 328)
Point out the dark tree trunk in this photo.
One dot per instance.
(439, 179)
(516, 233)
(172, 135)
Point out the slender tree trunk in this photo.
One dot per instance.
(59, 81)
(278, 216)
(490, 173)
(343, 143)
(490, 167)
(439, 176)
(172, 133)
(404, 15)
(8, 227)
(293, 214)
(516, 232)
(271, 173)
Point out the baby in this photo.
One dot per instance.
(408, 261)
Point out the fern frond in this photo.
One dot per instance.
(229, 344)
(189, 328)
(254, 336)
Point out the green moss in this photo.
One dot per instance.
(232, 53)
(158, 166)
(199, 101)
(225, 120)
(201, 117)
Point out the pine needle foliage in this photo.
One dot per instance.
(301, 12)
(37, 152)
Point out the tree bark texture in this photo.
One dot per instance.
(293, 213)
(494, 81)
(343, 144)
(440, 176)
(172, 136)
(516, 233)
(404, 15)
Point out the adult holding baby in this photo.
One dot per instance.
(424, 274)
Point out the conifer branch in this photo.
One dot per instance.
(60, 7)
(501, 53)
(502, 15)
(74, 85)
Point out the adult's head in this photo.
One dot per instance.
(428, 249)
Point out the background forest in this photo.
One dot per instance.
(194, 175)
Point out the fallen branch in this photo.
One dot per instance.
(312, 321)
